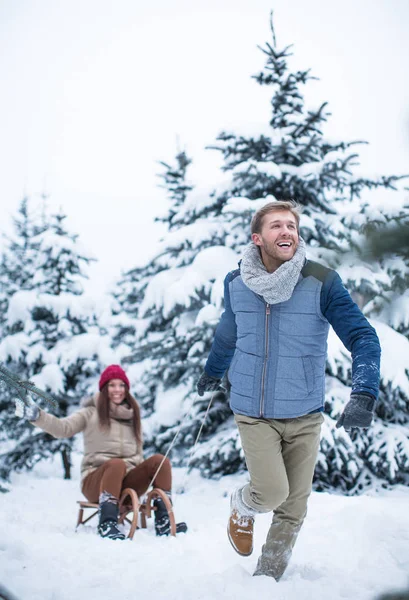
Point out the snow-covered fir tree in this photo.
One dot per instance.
(16, 273)
(377, 270)
(17, 259)
(172, 306)
(52, 337)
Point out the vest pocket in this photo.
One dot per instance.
(294, 378)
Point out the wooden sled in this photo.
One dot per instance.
(129, 503)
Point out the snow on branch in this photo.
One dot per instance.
(395, 311)
(240, 204)
(22, 303)
(194, 235)
(394, 358)
(179, 286)
(389, 448)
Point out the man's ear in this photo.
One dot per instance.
(256, 239)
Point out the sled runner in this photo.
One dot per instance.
(129, 503)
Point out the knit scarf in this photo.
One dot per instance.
(273, 287)
(120, 412)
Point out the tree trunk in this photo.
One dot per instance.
(66, 461)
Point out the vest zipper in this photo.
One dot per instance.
(265, 361)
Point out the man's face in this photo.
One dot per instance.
(278, 237)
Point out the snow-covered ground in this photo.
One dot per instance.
(349, 547)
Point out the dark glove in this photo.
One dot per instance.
(358, 412)
(207, 383)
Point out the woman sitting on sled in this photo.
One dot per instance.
(113, 460)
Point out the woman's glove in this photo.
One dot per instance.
(27, 410)
(358, 412)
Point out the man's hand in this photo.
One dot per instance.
(207, 383)
(358, 412)
(27, 410)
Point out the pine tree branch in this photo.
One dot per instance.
(384, 241)
(22, 387)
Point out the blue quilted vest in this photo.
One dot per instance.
(278, 368)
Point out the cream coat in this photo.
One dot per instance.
(99, 445)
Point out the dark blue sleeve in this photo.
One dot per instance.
(224, 343)
(355, 332)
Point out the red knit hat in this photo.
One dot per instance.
(113, 372)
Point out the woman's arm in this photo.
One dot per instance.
(63, 428)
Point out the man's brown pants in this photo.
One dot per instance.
(111, 477)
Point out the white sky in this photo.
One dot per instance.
(94, 92)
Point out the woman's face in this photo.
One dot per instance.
(116, 391)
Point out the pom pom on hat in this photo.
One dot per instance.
(113, 372)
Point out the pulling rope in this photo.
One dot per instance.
(192, 452)
(176, 435)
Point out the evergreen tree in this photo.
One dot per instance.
(17, 273)
(176, 300)
(17, 259)
(53, 339)
(378, 273)
(176, 185)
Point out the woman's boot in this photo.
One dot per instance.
(108, 517)
(162, 521)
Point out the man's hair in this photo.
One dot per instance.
(276, 206)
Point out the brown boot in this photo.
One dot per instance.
(240, 526)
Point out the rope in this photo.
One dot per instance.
(177, 433)
(182, 485)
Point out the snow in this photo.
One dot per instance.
(338, 356)
(52, 377)
(362, 274)
(207, 314)
(202, 196)
(268, 168)
(12, 345)
(22, 303)
(274, 170)
(390, 442)
(215, 261)
(349, 547)
(86, 346)
(396, 312)
(394, 358)
(20, 306)
(307, 223)
(241, 204)
(192, 235)
(55, 244)
(179, 286)
(168, 408)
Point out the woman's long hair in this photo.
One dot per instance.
(104, 416)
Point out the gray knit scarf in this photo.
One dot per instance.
(274, 287)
